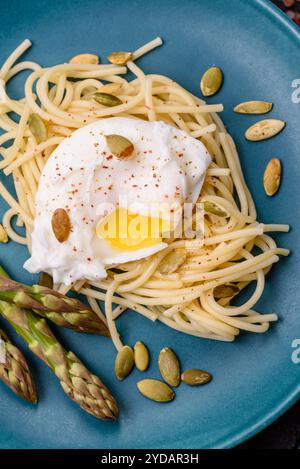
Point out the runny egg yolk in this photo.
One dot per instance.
(126, 230)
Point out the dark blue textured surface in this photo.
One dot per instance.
(255, 379)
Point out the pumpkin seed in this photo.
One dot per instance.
(264, 129)
(111, 88)
(141, 356)
(196, 377)
(3, 234)
(215, 209)
(226, 290)
(85, 59)
(172, 261)
(61, 225)
(45, 280)
(120, 58)
(169, 366)
(107, 99)
(37, 127)
(120, 147)
(272, 176)
(155, 390)
(124, 362)
(253, 107)
(211, 81)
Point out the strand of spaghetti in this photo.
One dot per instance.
(109, 315)
(95, 307)
(251, 205)
(60, 89)
(145, 275)
(120, 301)
(18, 139)
(234, 173)
(14, 57)
(243, 325)
(149, 100)
(118, 311)
(12, 202)
(31, 154)
(7, 218)
(203, 131)
(147, 48)
(20, 67)
(173, 325)
(276, 227)
(210, 323)
(236, 268)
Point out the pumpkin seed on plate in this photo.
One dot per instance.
(169, 366)
(107, 99)
(226, 290)
(196, 377)
(120, 147)
(124, 362)
(155, 390)
(215, 209)
(111, 88)
(211, 81)
(85, 59)
(272, 176)
(172, 261)
(253, 107)
(3, 235)
(37, 127)
(264, 129)
(141, 356)
(120, 58)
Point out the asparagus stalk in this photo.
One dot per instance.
(60, 309)
(77, 381)
(15, 373)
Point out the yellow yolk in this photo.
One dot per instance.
(131, 231)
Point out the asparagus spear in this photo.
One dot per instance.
(14, 372)
(62, 310)
(76, 380)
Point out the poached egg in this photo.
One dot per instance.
(105, 196)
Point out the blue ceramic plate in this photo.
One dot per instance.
(255, 379)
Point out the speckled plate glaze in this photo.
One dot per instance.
(255, 379)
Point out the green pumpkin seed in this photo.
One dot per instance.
(120, 58)
(107, 99)
(264, 129)
(272, 177)
(253, 107)
(172, 261)
(155, 390)
(226, 291)
(169, 366)
(211, 81)
(45, 280)
(196, 377)
(37, 127)
(141, 356)
(215, 209)
(120, 147)
(124, 362)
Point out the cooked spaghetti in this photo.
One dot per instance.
(195, 297)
